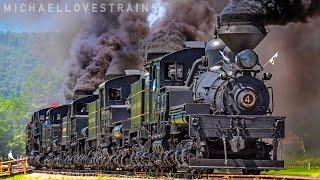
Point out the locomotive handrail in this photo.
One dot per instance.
(18, 166)
(193, 70)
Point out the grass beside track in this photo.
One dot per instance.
(38, 176)
(314, 172)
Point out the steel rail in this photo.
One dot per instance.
(166, 175)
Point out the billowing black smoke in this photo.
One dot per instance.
(107, 42)
(183, 21)
(270, 12)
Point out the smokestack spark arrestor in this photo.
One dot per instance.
(239, 36)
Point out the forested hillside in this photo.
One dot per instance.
(27, 82)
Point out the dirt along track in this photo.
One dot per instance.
(90, 174)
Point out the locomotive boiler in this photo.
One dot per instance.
(203, 107)
(232, 85)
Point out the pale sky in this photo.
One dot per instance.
(46, 24)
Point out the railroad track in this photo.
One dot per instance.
(184, 175)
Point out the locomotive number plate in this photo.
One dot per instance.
(248, 98)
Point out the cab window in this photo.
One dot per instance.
(115, 94)
(174, 71)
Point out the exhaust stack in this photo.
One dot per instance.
(239, 36)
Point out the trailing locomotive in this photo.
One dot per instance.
(199, 108)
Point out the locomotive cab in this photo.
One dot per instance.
(148, 94)
(53, 135)
(56, 117)
(37, 138)
(114, 111)
(79, 115)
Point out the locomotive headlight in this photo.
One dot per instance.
(247, 59)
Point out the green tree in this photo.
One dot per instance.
(27, 83)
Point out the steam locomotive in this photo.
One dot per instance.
(203, 107)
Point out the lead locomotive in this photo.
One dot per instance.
(199, 108)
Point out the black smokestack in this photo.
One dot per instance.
(101, 45)
(270, 12)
